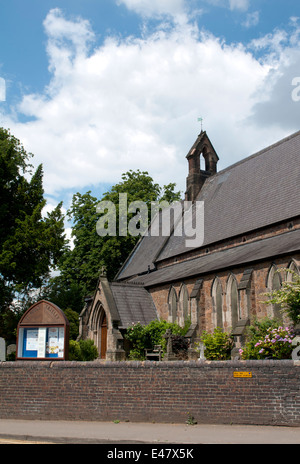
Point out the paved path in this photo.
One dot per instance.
(137, 433)
(12, 441)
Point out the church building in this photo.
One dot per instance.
(251, 230)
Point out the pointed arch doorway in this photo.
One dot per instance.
(98, 330)
(103, 336)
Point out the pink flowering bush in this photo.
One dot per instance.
(275, 344)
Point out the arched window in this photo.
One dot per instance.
(184, 304)
(172, 300)
(293, 266)
(217, 300)
(274, 283)
(232, 299)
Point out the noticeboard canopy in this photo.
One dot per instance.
(43, 333)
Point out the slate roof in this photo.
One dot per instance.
(256, 192)
(134, 304)
(246, 254)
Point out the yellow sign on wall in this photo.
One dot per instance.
(240, 374)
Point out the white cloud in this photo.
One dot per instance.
(242, 5)
(134, 103)
(180, 10)
(149, 8)
(2, 89)
(252, 19)
(275, 103)
(78, 31)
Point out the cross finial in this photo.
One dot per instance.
(103, 271)
(201, 120)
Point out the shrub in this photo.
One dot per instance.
(73, 319)
(84, 350)
(137, 338)
(268, 340)
(180, 346)
(142, 337)
(218, 345)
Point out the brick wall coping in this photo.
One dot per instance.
(242, 365)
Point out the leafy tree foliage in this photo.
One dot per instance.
(73, 319)
(138, 186)
(30, 244)
(80, 265)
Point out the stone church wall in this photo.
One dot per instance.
(145, 392)
(250, 301)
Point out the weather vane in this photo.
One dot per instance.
(201, 120)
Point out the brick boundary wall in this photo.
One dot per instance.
(152, 392)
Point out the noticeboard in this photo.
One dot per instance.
(43, 333)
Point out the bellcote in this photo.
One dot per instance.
(197, 176)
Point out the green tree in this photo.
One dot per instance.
(30, 244)
(138, 186)
(63, 294)
(73, 319)
(80, 265)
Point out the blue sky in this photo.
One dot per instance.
(97, 87)
(23, 59)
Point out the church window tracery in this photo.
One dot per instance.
(184, 304)
(232, 299)
(293, 266)
(172, 301)
(217, 299)
(274, 283)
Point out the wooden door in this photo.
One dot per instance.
(103, 338)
